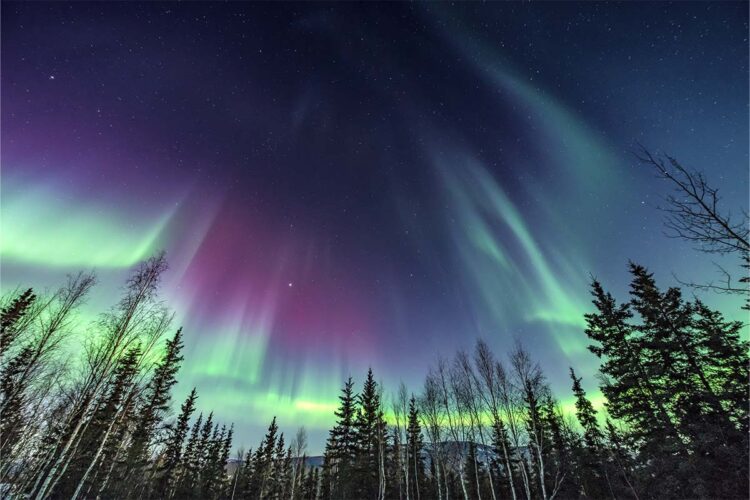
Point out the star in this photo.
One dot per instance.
(290, 284)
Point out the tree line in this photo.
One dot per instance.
(673, 374)
(96, 422)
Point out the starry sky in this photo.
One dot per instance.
(339, 186)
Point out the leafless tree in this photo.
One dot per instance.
(455, 417)
(530, 381)
(53, 319)
(154, 328)
(433, 419)
(693, 213)
(475, 403)
(121, 329)
(511, 402)
(40, 335)
(488, 383)
(399, 406)
(299, 449)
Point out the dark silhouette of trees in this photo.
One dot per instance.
(666, 381)
(167, 464)
(673, 376)
(341, 449)
(414, 452)
(95, 429)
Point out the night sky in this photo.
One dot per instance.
(340, 186)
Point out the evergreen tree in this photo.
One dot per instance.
(725, 356)
(190, 463)
(539, 439)
(261, 480)
(12, 392)
(674, 377)
(285, 473)
(226, 448)
(212, 470)
(500, 445)
(635, 388)
(172, 455)
(586, 415)
(310, 491)
(394, 466)
(472, 471)
(370, 425)
(564, 480)
(667, 380)
(280, 470)
(621, 462)
(11, 317)
(203, 454)
(13, 369)
(157, 398)
(591, 460)
(245, 475)
(414, 456)
(341, 448)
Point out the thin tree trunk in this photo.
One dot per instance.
(525, 478)
(416, 476)
(510, 471)
(105, 438)
(476, 476)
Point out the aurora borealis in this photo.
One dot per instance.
(339, 186)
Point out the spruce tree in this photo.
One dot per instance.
(668, 378)
(311, 485)
(157, 398)
(369, 426)
(226, 449)
(471, 470)
(261, 481)
(11, 316)
(13, 395)
(727, 362)
(190, 462)
(395, 459)
(279, 470)
(414, 456)
(586, 415)
(501, 467)
(591, 459)
(562, 469)
(245, 475)
(210, 472)
(341, 448)
(172, 455)
(636, 391)
(539, 438)
(621, 462)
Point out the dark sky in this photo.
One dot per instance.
(349, 185)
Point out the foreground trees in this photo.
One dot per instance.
(94, 425)
(674, 378)
(674, 423)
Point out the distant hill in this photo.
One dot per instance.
(452, 451)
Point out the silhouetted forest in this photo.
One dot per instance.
(673, 372)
